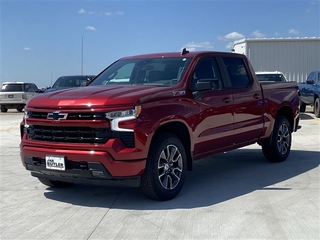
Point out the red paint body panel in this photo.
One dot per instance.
(116, 168)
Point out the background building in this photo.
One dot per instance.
(295, 57)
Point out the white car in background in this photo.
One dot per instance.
(16, 94)
(274, 76)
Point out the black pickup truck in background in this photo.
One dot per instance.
(64, 82)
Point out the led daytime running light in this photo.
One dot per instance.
(124, 114)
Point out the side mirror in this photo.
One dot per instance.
(83, 84)
(310, 81)
(207, 84)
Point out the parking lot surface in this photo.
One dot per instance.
(233, 195)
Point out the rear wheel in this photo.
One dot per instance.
(19, 109)
(165, 170)
(4, 109)
(55, 184)
(316, 108)
(280, 146)
(302, 106)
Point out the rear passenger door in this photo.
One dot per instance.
(247, 100)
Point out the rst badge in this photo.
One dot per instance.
(57, 116)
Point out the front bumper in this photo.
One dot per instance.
(81, 166)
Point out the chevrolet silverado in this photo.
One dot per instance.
(149, 117)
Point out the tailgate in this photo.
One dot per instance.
(13, 97)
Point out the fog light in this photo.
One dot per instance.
(96, 173)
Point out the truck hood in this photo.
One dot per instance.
(93, 96)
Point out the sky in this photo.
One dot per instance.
(41, 40)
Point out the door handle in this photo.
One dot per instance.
(226, 100)
(256, 96)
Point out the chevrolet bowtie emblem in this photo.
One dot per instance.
(57, 116)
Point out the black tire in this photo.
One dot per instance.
(302, 106)
(4, 109)
(55, 184)
(19, 109)
(165, 170)
(280, 146)
(316, 108)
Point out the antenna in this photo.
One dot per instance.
(184, 51)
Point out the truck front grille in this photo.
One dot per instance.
(71, 116)
(77, 134)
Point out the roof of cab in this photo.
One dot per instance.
(184, 53)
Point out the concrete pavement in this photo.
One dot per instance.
(234, 195)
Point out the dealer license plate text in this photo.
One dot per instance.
(55, 162)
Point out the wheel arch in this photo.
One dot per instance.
(180, 130)
(286, 111)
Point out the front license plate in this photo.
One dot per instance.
(55, 163)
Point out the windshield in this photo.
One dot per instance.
(144, 71)
(271, 77)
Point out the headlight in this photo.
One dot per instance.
(119, 116)
(124, 114)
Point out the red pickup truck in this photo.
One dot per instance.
(148, 117)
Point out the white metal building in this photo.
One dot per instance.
(295, 57)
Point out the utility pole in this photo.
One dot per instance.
(82, 56)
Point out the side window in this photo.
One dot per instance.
(283, 79)
(311, 76)
(28, 88)
(237, 72)
(314, 77)
(207, 71)
(318, 77)
(33, 88)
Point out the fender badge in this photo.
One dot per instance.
(178, 93)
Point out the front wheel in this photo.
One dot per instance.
(165, 170)
(4, 109)
(55, 184)
(302, 106)
(316, 108)
(280, 146)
